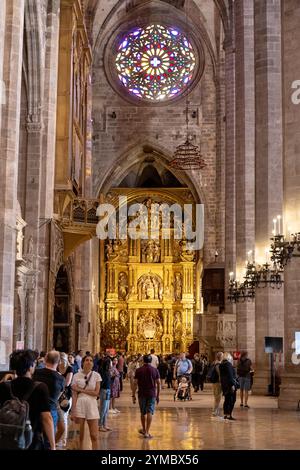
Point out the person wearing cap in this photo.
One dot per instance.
(147, 380)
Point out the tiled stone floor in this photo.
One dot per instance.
(188, 425)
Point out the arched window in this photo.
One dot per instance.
(155, 63)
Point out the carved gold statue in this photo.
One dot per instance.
(123, 286)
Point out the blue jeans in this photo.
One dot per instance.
(104, 405)
(54, 415)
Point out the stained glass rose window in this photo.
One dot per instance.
(155, 63)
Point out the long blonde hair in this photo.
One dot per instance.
(64, 358)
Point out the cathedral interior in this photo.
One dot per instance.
(97, 100)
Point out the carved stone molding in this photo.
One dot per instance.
(33, 127)
(226, 330)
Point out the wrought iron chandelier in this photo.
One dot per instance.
(187, 156)
(255, 277)
(281, 251)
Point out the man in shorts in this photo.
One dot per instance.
(244, 369)
(147, 380)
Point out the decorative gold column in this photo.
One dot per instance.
(170, 329)
(136, 313)
(199, 300)
(167, 338)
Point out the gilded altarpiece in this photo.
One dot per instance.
(148, 286)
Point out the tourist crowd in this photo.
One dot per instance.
(83, 388)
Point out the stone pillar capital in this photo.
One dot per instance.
(33, 123)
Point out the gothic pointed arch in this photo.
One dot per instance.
(35, 43)
(137, 153)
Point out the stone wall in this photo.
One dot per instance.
(164, 128)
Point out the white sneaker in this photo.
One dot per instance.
(113, 412)
(117, 411)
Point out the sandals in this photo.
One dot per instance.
(102, 429)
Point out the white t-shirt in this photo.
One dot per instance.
(80, 380)
(155, 361)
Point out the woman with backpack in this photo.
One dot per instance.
(244, 371)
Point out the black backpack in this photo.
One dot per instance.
(213, 374)
(15, 426)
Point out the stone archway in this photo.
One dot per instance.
(62, 311)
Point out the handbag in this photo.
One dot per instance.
(64, 402)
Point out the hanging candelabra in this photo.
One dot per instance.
(282, 250)
(187, 156)
(256, 276)
(269, 274)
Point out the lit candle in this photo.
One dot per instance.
(231, 276)
(249, 258)
(267, 255)
(274, 226)
(279, 224)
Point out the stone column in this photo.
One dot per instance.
(290, 388)
(96, 313)
(45, 190)
(83, 291)
(290, 385)
(220, 155)
(2, 40)
(230, 229)
(268, 173)
(245, 161)
(10, 123)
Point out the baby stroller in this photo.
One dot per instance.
(183, 391)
